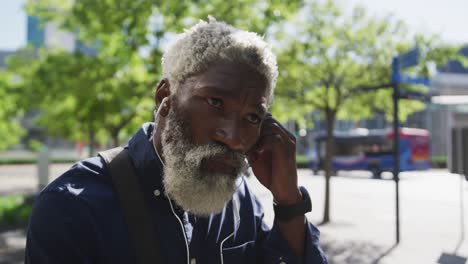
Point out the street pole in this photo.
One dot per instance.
(462, 213)
(396, 146)
(461, 171)
(408, 59)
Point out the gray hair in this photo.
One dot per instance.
(209, 42)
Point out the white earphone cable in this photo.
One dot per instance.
(234, 202)
(169, 198)
(237, 217)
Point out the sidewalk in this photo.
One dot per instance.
(363, 214)
(362, 229)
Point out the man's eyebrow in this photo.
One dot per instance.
(215, 89)
(260, 107)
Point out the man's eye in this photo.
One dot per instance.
(253, 118)
(215, 102)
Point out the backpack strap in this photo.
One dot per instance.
(136, 214)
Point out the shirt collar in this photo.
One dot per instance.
(147, 164)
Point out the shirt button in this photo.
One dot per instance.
(193, 261)
(157, 193)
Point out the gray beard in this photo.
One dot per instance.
(185, 180)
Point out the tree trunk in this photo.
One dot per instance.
(114, 130)
(115, 139)
(330, 115)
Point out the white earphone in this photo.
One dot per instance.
(163, 102)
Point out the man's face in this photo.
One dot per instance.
(215, 118)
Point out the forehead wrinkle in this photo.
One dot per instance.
(244, 97)
(228, 73)
(215, 89)
(258, 106)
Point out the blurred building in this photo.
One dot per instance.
(34, 32)
(48, 34)
(451, 81)
(3, 55)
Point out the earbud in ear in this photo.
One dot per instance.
(163, 104)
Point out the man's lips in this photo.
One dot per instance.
(221, 165)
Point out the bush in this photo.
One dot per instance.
(439, 161)
(35, 145)
(14, 211)
(302, 161)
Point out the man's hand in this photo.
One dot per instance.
(273, 161)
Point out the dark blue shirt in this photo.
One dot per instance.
(77, 219)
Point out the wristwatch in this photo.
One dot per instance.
(287, 212)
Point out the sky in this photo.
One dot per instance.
(445, 17)
(12, 24)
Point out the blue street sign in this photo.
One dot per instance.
(408, 59)
(414, 80)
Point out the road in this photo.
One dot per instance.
(362, 229)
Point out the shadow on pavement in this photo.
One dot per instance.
(453, 258)
(352, 252)
(447, 258)
(384, 254)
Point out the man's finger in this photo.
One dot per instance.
(276, 128)
(291, 135)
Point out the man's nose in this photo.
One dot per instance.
(230, 134)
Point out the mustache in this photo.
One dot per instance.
(216, 151)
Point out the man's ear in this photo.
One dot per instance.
(162, 91)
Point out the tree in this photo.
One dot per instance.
(10, 129)
(325, 59)
(13, 103)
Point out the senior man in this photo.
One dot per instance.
(212, 123)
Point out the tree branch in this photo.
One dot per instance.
(366, 89)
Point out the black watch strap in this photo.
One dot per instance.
(286, 213)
